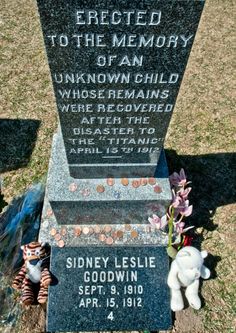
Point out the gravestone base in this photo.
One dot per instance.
(136, 251)
(111, 305)
(78, 201)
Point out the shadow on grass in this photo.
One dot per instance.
(17, 141)
(213, 178)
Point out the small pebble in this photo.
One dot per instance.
(45, 223)
(116, 194)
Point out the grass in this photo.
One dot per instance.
(201, 135)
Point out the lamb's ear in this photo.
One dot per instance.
(22, 247)
(204, 254)
(43, 244)
(182, 254)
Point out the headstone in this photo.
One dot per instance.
(116, 69)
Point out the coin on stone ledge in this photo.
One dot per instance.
(114, 234)
(73, 187)
(61, 243)
(143, 181)
(77, 231)
(109, 240)
(110, 181)
(134, 234)
(85, 230)
(53, 232)
(49, 212)
(124, 181)
(135, 183)
(102, 237)
(97, 229)
(119, 233)
(63, 231)
(91, 230)
(152, 181)
(100, 188)
(127, 227)
(157, 189)
(107, 228)
(57, 237)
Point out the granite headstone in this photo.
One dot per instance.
(116, 69)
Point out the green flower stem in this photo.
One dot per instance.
(170, 224)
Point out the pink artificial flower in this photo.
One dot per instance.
(183, 193)
(158, 222)
(184, 208)
(180, 227)
(176, 199)
(178, 179)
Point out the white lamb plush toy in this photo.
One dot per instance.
(185, 271)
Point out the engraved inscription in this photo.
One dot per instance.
(116, 73)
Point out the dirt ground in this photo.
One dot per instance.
(201, 139)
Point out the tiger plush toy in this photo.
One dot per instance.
(34, 271)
